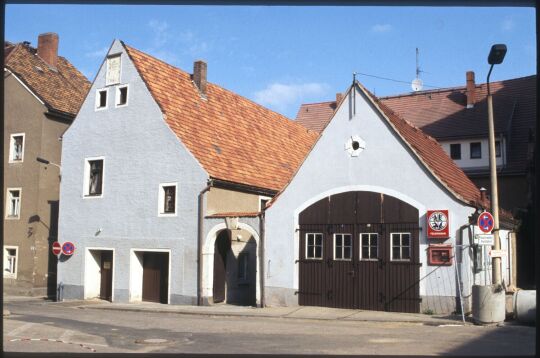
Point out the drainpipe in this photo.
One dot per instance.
(261, 256)
(200, 242)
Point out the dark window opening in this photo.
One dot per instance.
(314, 246)
(96, 177)
(476, 150)
(455, 151)
(169, 199)
(122, 100)
(355, 145)
(343, 246)
(102, 99)
(498, 149)
(17, 148)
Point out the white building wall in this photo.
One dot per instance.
(386, 165)
(140, 152)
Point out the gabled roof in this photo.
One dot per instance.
(233, 138)
(315, 116)
(62, 90)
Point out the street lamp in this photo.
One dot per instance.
(496, 56)
(48, 162)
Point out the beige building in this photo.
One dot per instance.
(43, 93)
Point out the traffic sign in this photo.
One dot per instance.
(68, 248)
(498, 253)
(56, 248)
(486, 222)
(485, 239)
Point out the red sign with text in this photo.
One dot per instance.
(437, 224)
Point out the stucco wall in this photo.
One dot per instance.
(140, 152)
(386, 165)
(222, 200)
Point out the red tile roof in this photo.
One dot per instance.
(63, 89)
(315, 116)
(233, 138)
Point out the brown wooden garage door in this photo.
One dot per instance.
(360, 250)
(155, 276)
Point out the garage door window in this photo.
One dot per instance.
(401, 246)
(342, 246)
(314, 246)
(369, 246)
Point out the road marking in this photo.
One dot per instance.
(50, 340)
(20, 329)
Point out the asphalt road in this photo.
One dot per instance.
(40, 326)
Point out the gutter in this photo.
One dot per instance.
(200, 241)
(224, 184)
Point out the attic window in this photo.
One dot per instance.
(101, 99)
(121, 96)
(113, 70)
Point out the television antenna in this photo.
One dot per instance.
(417, 83)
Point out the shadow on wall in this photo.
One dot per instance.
(241, 273)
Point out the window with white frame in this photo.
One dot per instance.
(243, 262)
(369, 246)
(314, 246)
(13, 203)
(101, 99)
(10, 261)
(113, 70)
(167, 199)
(93, 177)
(401, 246)
(16, 148)
(342, 246)
(121, 96)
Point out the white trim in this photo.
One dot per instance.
(25, 86)
(107, 83)
(361, 258)
(161, 200)
(86, 178)
(11, 247)
(401, 246)
(87, 256)
(262, 197)
(342, 246)
(306, 245)
(117, 96)
(8, 202)
(97, 98)
(132, 254)
(11, 142)
(208, 260)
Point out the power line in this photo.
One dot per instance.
(394, 80)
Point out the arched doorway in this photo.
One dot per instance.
(360, 249)
(222, 248)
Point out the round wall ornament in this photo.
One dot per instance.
(355, 145)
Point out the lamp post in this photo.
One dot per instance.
(496, 56)
(47, 162)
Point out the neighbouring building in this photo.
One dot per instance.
(42, 94)
(377, 217)
(164, 175)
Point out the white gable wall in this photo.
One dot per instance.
(386, 165)
(140, 152)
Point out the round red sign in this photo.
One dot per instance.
(56, 248)
(486, 222)
(68, 248)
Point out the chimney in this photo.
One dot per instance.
(199, 75)
(339, 96)
(483, 196)
(48, 48)
(471, 95)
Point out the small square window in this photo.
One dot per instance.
(314, 246)
(243, 262)
(167, 199)
(10, 261)
(369, 246)
(455, 151)
(121, 96)
(13, 204)
(498, 149)
(342, 246)
(401, 246)
(101, 99)
(476, 150)
(16, 150)
(93, 177)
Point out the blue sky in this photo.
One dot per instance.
(284, 56)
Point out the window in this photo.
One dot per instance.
(167, 199)
(243, 260)
(113, 70)
(16, 148)
(101, 99)
(342, 246)
(369, 246)
(10, 261)
(314, 246)
(401, 246)
(13, 207)
(93, 177)
(476, 150)
(455, 151)
(122, 96)
(497, 149)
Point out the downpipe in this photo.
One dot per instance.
(200, 242)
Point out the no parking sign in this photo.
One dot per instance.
(486, 222)
(68, 248)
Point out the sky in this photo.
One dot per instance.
(283, 56)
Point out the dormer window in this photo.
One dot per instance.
(113, 70)
(101, 99)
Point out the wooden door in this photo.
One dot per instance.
(221, 248)
(155, 277)
(106, 267)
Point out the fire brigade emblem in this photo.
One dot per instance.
(438, 221)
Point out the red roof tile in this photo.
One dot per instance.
(63, 89)
(233, 138)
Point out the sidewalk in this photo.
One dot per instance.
(302, 312)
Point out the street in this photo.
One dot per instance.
(44, 326)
